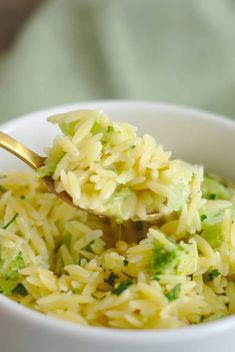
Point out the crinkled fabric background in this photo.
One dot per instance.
(179, 51)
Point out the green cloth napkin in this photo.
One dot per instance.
(179, 51)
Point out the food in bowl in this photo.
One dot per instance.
(54, 258)
(105, 167)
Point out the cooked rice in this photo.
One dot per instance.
(67, 264)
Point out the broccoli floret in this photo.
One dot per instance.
(182, 258)
(174, 293)
(213, 189)
(212, 215)
(54, 157)
(203, 217)
(213, 274)
(7, 286)
(9, 279)
(212, 234)
(97, 128)
(12, 272)
(68, 128)
(164, 261)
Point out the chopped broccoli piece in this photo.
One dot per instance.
(203, 217)
(213, 189)
(213, 274)
(46, 170)
(20, 290)
(68, 128)
(180, 259)
(9, 278)
(174, 293)
(212, 234)
(125, 262)
(110, 129)
(164, 261)
(54, 157)
(111, 279)
(6, 286)
(214, 211)
(16, 265)
(10, 222)
(122, 286)
(97, 128)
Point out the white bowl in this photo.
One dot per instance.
(196, 136)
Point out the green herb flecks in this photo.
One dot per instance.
(203, 217)
(111, 279)
(213, 274)
(20, 290)
(127, 275)
(110, 129)
(122, 286)
(125, 262)
(10, 222)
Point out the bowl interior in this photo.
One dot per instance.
(196, 136)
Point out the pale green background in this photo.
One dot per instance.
(180, 51)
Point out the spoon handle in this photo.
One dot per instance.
(20, 151)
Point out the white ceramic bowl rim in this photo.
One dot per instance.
(36, 319)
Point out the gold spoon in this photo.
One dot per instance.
(35, 161)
